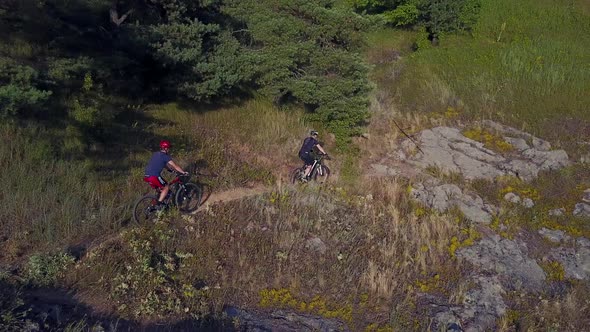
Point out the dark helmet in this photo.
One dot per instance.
(164, 144)
(313, 133)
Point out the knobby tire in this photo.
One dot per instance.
(188, 199)
(145, 209)
(321, 177)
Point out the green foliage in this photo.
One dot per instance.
(18, 88)
(438, 16)
(405, 14)
(308, 52)
(533, 71)
(150, 284)
(45, 269)
(450, 15)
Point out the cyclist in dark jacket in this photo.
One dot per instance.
(157, 163)
(305, 153)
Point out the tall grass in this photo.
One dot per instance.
(47, 202)
(526, 63)
(240, 142)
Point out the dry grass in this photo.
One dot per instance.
(258, 251)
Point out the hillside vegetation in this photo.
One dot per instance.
(88, 88)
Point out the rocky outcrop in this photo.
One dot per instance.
(449, 150)
(575, 260)
(507, 258)
(280, 320)
(482, 307)
(444, 196)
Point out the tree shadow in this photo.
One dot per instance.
(56, 309)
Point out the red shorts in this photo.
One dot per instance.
(155, 182)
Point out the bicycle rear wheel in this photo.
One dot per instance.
(145, 209)
(188, 198)
(296, 175)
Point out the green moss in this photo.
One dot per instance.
(490, 140)
(554, 270)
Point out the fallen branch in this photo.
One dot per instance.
(408, 136)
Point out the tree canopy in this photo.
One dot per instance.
(79, 61)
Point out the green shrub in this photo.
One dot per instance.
(18, 90)
(46, 269)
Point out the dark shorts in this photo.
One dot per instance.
(155, 182)
(307, 158)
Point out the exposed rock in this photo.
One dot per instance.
(482, 306)
(366, 135)
(586, 196)
(518, 143)
(505, 257)
(554, 235)
(557, 212)
(442, 197)
(281, 320)
(383, 170)
(528, 203)
(575, 261)
(582, 210)
(585, 159)
(512, 198)
(316, 244)
(447, 149)
(540, 144)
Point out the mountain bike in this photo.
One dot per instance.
(319, 171)
(184, 195)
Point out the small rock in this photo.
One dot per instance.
(383, 170)
(528, 203)
(512, 198)
(583, 242)
(518, 143)
(557, 212)
(541, 145)
(586, 196)
(582, 210)
(575, 261)
(585, 159)
(316, 244)
(555, 235)
(366, 135)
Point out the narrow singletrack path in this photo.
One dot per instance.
(236, 194)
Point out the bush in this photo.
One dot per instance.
(18, 90)
(45, 269)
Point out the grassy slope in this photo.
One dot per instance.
(381, 249)
(526, 64)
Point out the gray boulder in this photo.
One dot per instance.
(557, 212)
(582, 210)
(512, 198)
(451, 152)
(445, 196)
(555, 236)
(576, 260)
(482, 306)
(281, 320)
(505, 257)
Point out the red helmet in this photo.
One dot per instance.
(164, 144)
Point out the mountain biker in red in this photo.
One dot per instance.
(305, 153)
(157, 163)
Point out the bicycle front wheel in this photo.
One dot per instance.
(145, 209)
(188, 198)
(321, 174)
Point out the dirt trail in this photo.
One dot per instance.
(236, 193)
